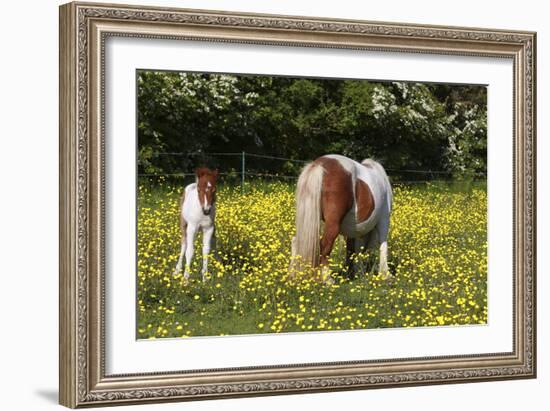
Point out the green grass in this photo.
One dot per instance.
(438, 258)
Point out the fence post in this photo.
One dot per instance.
(242, 171)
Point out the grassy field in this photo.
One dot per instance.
(437, 253)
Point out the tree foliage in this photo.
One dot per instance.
(406, 126)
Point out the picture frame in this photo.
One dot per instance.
(84, 30)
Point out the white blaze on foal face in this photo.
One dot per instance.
(206, 206)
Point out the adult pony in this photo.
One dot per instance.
(353, 199)
(198, 212)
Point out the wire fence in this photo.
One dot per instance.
(243, 170)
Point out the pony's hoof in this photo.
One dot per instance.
(384, 275)
(329, 280)
(326, 276)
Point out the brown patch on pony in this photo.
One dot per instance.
(336, 201)
(364, 200)
(337, 191)
(206, 192)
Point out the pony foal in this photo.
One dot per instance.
(198, 212)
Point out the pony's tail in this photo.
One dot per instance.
(308, 214)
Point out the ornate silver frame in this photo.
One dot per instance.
(83, 30)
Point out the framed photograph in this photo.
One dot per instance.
(259, 204)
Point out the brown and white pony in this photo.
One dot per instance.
(198, 212)
(353, 199)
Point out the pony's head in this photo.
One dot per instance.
(206, 187)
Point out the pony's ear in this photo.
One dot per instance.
(199, 172)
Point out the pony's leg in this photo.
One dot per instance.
(360, 246)
(292, 266)
(191, 231)
(350, 249)
(207, 238)
(183, 225)
(373, 245)
(361, 243)
(327, 242)
(382, 229)
(372, 240)
(333, 214)
(353, 245)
